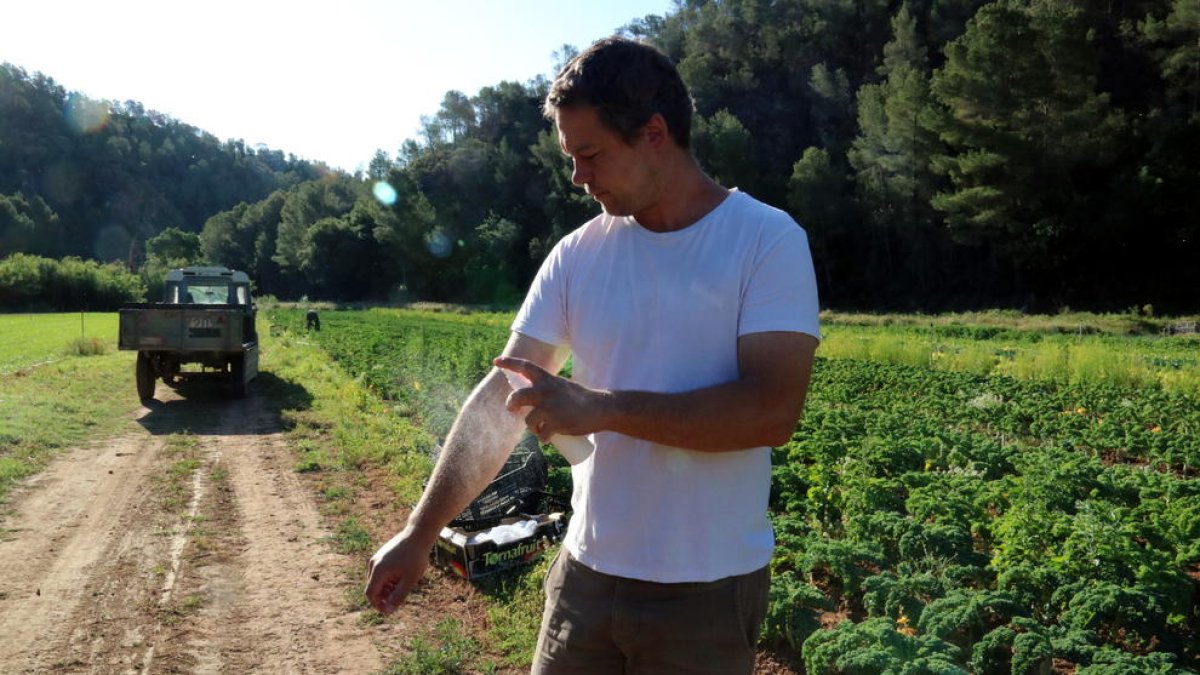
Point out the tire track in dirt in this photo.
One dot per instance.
(75, 524)
(275, 604)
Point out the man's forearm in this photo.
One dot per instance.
(759, 408)
(732, 416)
(477, 446)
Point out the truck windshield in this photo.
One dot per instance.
(216, 294)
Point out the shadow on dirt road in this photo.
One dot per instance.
(202, 406)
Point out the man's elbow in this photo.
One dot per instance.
(777, 430)
(777, 435)
(778, 414)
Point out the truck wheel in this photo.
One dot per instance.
(237, 376)
(145, 377)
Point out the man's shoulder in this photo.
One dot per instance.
(767, 219)
(746, 204)
(590, 233)
(580, 242)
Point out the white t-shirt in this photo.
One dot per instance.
(662, 312)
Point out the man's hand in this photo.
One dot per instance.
(395, 569)
(557, 405)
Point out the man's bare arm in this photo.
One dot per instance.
(479, 441)
(759, 408)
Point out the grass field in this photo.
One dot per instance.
(51, 398)
(1135, 321)
(1171, 363)
(30, 339)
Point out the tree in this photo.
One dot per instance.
(301, 209)
(29, 226)
(30, 282)
(173, 244)
(726, 150)
(831, 107)
(1174, 43)
(891, 157)
(1023, 126)
(343, 261)
(980, 152)
(379, 166)
(222, 242)
(491, 275)
(456, 116)
(818, 193)
(401, 230)
(171, 249)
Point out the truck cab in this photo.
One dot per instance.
(207, 286)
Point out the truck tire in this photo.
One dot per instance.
(144, 374)
(237, 376)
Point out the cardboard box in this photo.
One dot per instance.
(472, 555)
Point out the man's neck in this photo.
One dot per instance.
(685, 197)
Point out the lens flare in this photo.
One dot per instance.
(438, 243)
(84, 115)
(386, 194)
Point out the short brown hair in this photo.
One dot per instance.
(627, 82)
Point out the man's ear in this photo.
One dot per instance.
(655, 131)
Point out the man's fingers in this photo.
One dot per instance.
(386, 596)
(374, 592)
(395, 597)
(543, 434)
(536, 424)
(529, 369)
(521, 399)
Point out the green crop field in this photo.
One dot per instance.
(958, 498)
(980, 513)
(30, 339)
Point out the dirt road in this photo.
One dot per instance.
(187, 545)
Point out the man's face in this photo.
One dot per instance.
(613, 172)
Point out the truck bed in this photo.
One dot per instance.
(185, 327)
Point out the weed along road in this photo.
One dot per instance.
(186, 545)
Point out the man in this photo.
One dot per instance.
(690, 311)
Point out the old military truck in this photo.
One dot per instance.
(207, 319)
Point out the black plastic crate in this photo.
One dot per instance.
(519, 488)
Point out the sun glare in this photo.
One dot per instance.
(84, 115)
(386, 194)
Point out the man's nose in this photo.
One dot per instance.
(580, 174)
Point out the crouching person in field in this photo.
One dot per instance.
(691, 314)
(312, 320)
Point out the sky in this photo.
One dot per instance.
(332, 81)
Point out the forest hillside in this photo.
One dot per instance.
(941, 154)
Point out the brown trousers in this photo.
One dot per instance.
(597, 623)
